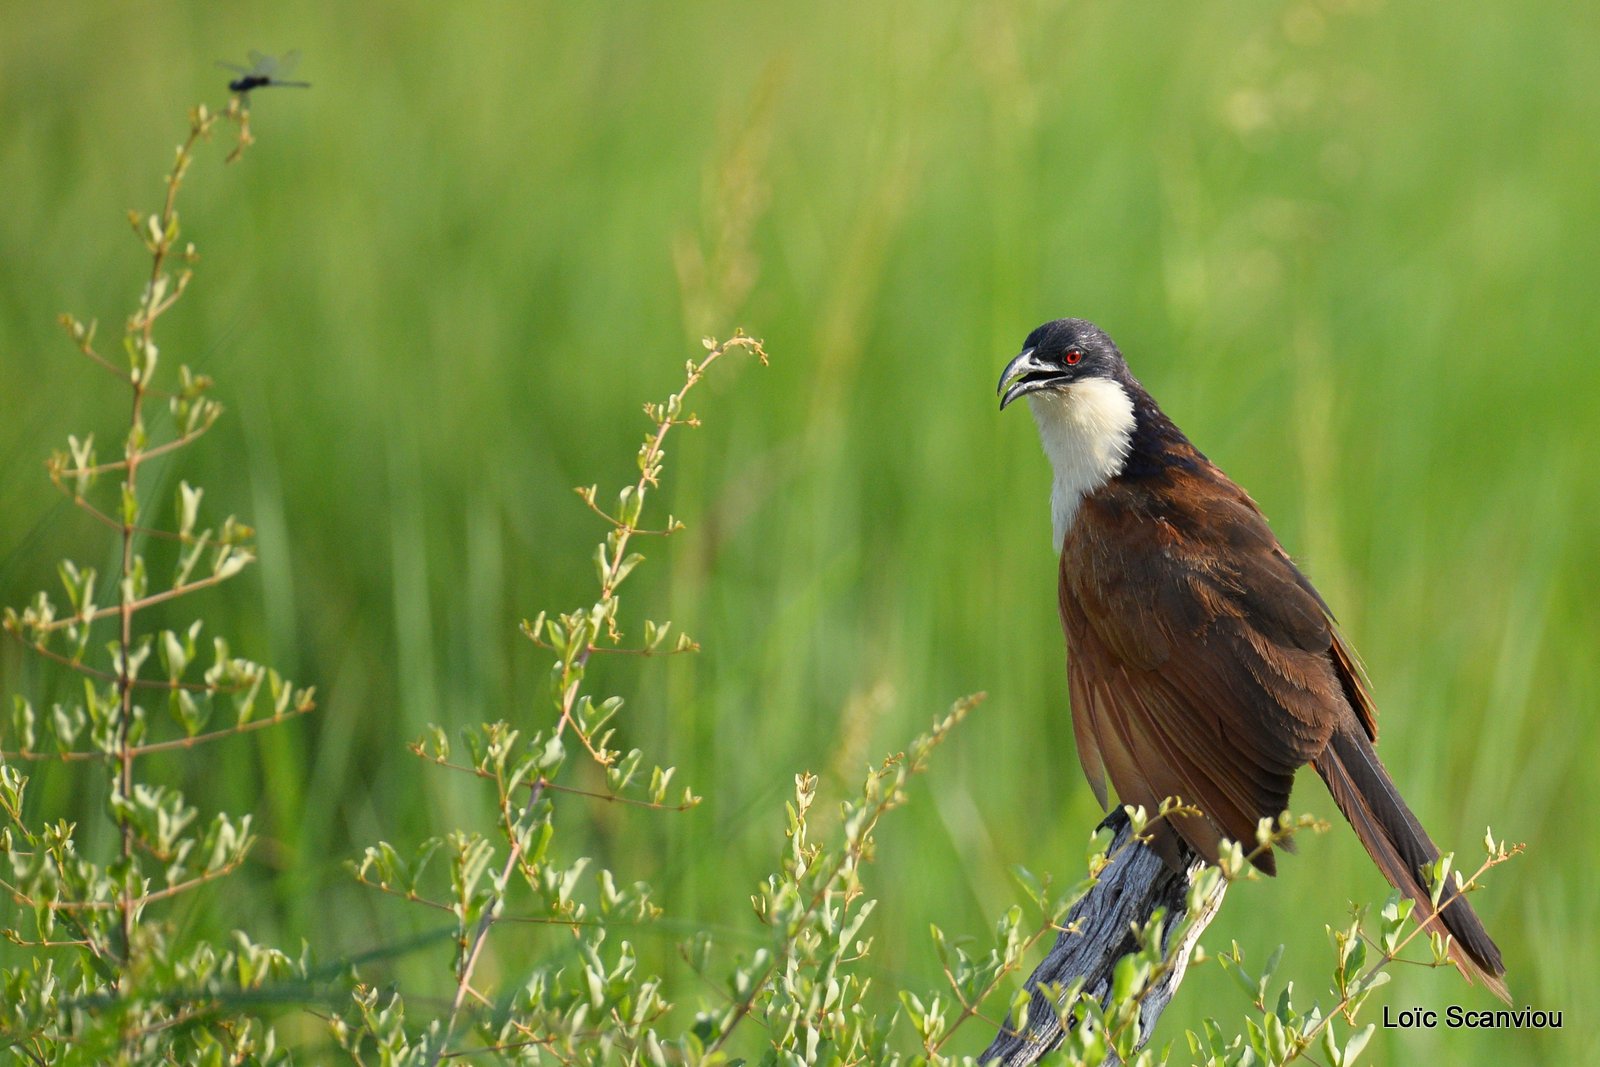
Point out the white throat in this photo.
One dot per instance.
(1086, 430)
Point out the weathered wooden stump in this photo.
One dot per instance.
(1101, 931)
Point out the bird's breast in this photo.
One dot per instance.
(1086, 430)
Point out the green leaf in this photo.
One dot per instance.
(632, 560)
(619, 774)
(1129, 978)
(24, 721)
(1357, 1042)
(1266, 974)
(188, 508)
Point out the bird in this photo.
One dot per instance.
(1201, 662)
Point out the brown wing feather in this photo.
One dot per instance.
(1200, 651)
(1092, 752)
(1354, 680)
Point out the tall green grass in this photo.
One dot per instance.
(1349, 245)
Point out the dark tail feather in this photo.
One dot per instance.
(1401, 848)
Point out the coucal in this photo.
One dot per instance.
(1201, 663)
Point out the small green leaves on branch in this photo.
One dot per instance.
(134, 989)
(253, 695)
(802, 988)
(1282, 1034)
(500, 753)
(1236, 863)
(577, 635)
(558, 1007)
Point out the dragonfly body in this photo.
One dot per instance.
(256, 81)
(264, 71)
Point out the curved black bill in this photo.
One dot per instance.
(1025, 374)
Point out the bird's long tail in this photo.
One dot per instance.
(1401, 848)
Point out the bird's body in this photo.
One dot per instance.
(1202, 664)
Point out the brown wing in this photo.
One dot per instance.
(1199, 655)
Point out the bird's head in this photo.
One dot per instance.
(1082, 397)
(1059, 355)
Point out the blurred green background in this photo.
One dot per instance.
(1349, 244)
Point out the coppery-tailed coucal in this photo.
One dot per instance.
(1201, 663)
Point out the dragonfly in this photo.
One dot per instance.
(264, 71)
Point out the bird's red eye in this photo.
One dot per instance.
(1073, 355)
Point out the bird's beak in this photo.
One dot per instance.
(1025, 374)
